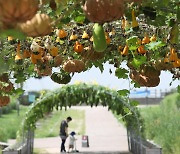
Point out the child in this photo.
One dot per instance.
(72, 141)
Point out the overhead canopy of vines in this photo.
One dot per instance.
(83, 94)
(74, 35)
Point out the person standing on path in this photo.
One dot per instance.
(64, 132)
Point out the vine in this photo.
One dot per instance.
(78, 94)
(60, 35)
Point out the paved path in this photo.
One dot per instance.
(105, 134)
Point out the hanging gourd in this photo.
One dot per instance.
(90, 54)
(73, 37)
(39, 25)
(33, 59)
(61, 78)
(44, 71)
(153, 38)
(99, 39)
(61, 33)
(173, 55)
(4, 100)
(5, 84)
(57, 61)
(101, 11)
(26, 53)
(125, 51)
(141, 49)
(18, 57)
(108, 39)
(54, 51)
(85, 35)
(78, 47)
(17, 11)
(37, 51)
(73, 66)
(146, 39)
(123, 23)
(135, 25)
(176, 64)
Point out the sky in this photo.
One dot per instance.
(94, 75)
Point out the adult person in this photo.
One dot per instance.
(64, 132)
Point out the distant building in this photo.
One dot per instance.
(29, 97)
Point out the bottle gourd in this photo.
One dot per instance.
(99, 39)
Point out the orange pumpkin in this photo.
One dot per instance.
(78, 47)
(61, 33)
(58, 60)
(146, 39)
(39, 25)
(101, 11)
(26, 53)
(54, 51)
(141, 49)
(17, 11)
(4, 100)
(33, 59)
(73, 66)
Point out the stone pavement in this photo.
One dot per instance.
(106, 135)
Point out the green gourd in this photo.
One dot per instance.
(99, 39)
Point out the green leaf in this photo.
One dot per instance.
(138, 61)
(14, 33)
(18, 91)
(121, 73)
(80, 19)
(65, 20)
(126, 110)
(178, 14)
(132, 42)
(154, 45)
(165, 2)
(134, 103)
(99, 65)
(123, 92)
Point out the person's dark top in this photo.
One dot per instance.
(64, 124)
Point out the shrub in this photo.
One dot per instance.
(3, 135)
(162, 124)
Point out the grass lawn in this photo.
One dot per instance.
(10, 123)
(49, 126)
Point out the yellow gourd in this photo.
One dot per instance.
(123, 21)
(146, 39)
(18, 54)
(125, 51)
(85, 35)
(153, 38)
(135, 24)
(73, 37)
(108, 39)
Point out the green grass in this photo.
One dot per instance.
(49, 126)
(162, 124)
(10, 123)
